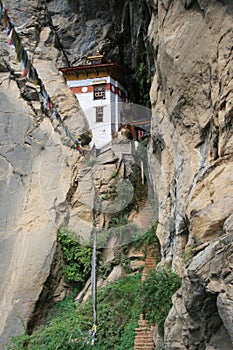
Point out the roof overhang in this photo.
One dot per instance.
(94, 67)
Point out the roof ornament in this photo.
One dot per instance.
(96, 59)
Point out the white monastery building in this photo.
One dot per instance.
(99, 90)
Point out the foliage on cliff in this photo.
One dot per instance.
(156, 296)
(119, 306)
(118, 312)
(77, 257)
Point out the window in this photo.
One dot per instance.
(99, 91)
(99, 114)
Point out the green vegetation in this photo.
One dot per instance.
(56, 333)
(118, 312)
(122, 259)
(144, 79)
(140, 190)
(118, 309)
(147, 239)
(156, 294)
(119, 304)
(77, 257)
(118, 220)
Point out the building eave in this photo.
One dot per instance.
(93, 67)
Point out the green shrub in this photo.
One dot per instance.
(156, 294)
(118, 306)
(77, 257)
(127, 338)
(147, 238)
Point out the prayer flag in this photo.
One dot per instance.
(30, 71)
(5, 17)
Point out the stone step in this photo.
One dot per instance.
(151, 261)
(147, 269)
(151, 264)
(144, 346)
(142, 323)
(143, 326)
(144, 337)
(148, 264)
(144, 333)
(143, 341)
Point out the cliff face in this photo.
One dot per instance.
(116, 28)
(35, 175)
(189, 47)
(43, 179)
(191, 163)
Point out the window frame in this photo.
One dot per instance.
(99, 91)
(99, 114)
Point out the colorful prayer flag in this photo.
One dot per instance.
(30, 72)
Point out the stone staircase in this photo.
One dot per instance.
(144, 336)
(150, 263)
(144, 333)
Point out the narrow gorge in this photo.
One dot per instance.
(178, 64)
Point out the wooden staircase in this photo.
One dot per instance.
(144, 333)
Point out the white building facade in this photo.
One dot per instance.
(100, 95)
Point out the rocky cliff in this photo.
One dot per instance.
(35, 168)
(187, 45)
(191, 163)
